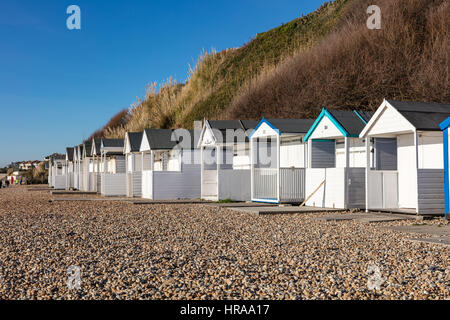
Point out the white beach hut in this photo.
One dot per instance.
(170, 164)
(336, 160)
(70, 168)
(225, 159)
(133, 159)
(58, 165)
(78, 181)
(113, 181)
(87, 165)
(50, 173)
(445, 125)
(416, 183)
(97, 164)
(278, 160)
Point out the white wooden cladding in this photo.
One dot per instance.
(164, 185)
(92, 183)
(292, 184)
(137, 184)
(339, 183)
(134, 184)
(69, 180)
(383, 186)
(60, 182)
(99, 182)
(120, 164)
(184, 184)
(209, 185)
(147, 162)
(114, 184)
(356, 188)
(265, 184)
(147, 184)
(235, 185)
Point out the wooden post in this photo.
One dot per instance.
(251, 168)
(201, 171)
(278, 167)
(416, 147)
(218, 162)
(309, 197)
(346, 167)
(367, 172)
(310, 148)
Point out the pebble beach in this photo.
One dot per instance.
(198, 251)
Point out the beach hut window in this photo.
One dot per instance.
(386, 153)
(266, 152)
(167, 160)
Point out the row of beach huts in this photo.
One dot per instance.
(393, 160)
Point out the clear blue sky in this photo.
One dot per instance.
(57, 86)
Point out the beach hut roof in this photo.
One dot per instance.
(422, 115)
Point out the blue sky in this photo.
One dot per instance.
(57, 86)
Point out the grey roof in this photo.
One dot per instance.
(135, 140)
(223, 125)
(292, 125)
(162, 139)
(366, 115)
(57, 156)
(232, 124)
(88, 147)
(113, 143)
(81, 148)
(349, 120)
(69, 153)
(98, 145)
(422, 115)
(60, 157)
(194, 135)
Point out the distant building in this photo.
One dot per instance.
(27, 165)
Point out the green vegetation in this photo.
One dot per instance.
(268, 49)
(328, 58)
(219, 76)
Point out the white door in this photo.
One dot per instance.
(407, 171)
(209, 174)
